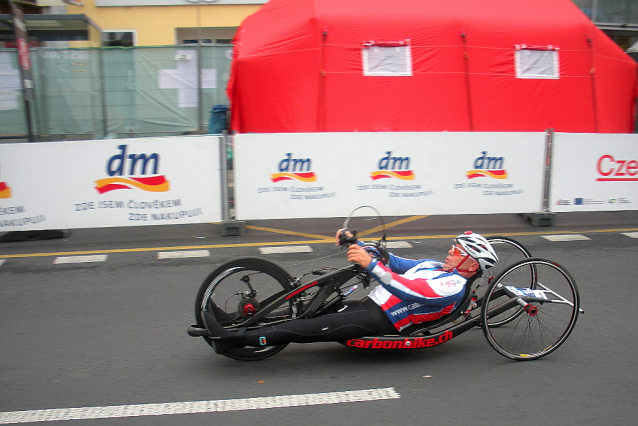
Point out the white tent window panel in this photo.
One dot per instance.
(537, 63)
(386, 60)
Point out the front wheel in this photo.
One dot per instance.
(240, 288)
(540, 316)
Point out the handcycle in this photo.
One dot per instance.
(526, 307)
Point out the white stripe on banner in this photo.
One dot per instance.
(139, 410)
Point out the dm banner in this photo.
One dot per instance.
(107, 183)
(308, 175)
(594, 172)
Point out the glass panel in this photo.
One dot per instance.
(617, 11)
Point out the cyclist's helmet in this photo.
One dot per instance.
(478, 248)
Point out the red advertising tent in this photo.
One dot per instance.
(428, 65)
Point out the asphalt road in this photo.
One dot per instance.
(110, 335)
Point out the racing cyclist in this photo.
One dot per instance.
(410, 292)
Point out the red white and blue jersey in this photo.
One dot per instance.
(415, 291)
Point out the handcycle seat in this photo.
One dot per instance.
(463, 305)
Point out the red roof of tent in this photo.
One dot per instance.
(298, 68)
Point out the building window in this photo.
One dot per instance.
(610, 11)
(387, 58)
(537, 62)
(195, 41)
(119, 38)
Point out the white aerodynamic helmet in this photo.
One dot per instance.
(478, 248)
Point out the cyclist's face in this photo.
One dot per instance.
(455, 256)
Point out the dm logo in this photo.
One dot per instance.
(393, 167)
(129, 171)
(485, 166)
(294, 169)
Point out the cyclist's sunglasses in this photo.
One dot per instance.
(457, 251)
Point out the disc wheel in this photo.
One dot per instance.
(240, 288)
(539, 317)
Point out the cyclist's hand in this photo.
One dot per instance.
(359, 255)
(338, 236)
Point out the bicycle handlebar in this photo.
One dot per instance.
(345, 240)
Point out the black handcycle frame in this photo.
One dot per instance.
(329, 289)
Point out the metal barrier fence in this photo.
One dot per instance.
(185, 179)
(114, 92)
(309, 175)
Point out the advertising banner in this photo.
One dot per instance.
(107, 183)
(594, 172)
(306, 175)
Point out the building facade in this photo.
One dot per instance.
(152, 87)
(129, 23)
(617, 18)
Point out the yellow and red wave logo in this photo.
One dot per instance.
(302, 177)
(294, 168)
(129, 171)
(392, 166)
(5, 190)
(496, 174)
(398, 174)
(151, 184)
(487, 166)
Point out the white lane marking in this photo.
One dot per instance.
(398, 244)
(631, 234)
(140, 410)
(182, 254)
(80, 259)
(2, 261)
(285, 249)
(566, 237)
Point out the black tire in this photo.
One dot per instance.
(542, 325)
(509, 251)
(226, 288)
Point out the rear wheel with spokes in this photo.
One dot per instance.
(509, 251)
(239, 289)
(523, 321)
